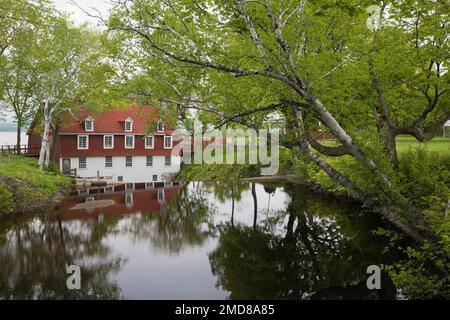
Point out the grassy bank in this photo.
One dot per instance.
(437, 145)
(24, 188)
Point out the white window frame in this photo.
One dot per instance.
(111, 162)
(153, 142)
(78, 141)
(126, 157)
(149, 185)
(85, 163)
(161, 195)
(165, 161)
(160, 122)
(130, 121)
(171, 142)
(112, 141)
(129, 201)
(125, 141)
(89, 119)
(146, 161)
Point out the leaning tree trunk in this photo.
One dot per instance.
(383, 208)
(47, 119)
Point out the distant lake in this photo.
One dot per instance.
(10, 138)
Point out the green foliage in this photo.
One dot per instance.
(424, 178)
(415, 277)
(24, 187)
(208, 172)
(6, 199)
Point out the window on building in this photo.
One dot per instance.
(129, 186)
(161, 195)
(88, 124)
(168, 161)
(108, 142)
(149, 142)
(83, 142)
(149, 161)
(129, 200)
(149, 185)
(108, 162)
(129, 125)
(168, 184)
(160, 126)
(120, 178)
(155, 177)
(108, 189)
(128, 161)
(129, 142)
(167, 142)
(82, 163)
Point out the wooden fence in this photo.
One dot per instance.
(31, 151)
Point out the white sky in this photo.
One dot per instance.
(77, 15)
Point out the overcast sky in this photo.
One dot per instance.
(78, 16)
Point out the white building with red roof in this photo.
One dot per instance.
(131, 145)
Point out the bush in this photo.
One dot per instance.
(424, 178)
(414, 278)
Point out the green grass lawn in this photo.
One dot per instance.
(23, 186)
(404, 143)
(438, 145)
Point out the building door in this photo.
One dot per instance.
(66, 165)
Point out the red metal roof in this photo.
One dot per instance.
(113, 121)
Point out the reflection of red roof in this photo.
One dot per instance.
(113, 121)
(144, 201)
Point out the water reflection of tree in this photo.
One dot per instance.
(183, 224)
(227, 190)
(322, 247)
(34, 255)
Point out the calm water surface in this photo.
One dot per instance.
(10, 138)
(193, 241)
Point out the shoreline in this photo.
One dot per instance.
(25, 189)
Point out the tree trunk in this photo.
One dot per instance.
(47, 155)
(18, 136)
(47, 119)
(383, 208)
(390, 145)
(255, 206)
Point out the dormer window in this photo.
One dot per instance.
(89, 124)
(129, 125)
(160, 126)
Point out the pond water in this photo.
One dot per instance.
(10, 138)
(194, 241)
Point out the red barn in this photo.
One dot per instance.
(130, 145)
